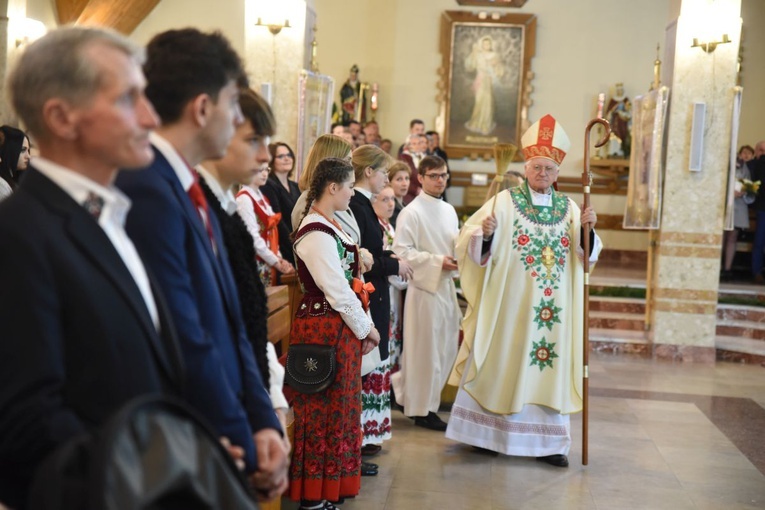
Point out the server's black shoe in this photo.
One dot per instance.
(557, 460)
(431, 421)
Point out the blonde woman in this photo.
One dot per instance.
(328, 146)
(370, 166)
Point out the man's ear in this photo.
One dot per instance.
(199, 109)
(420, 178)
(61, 118)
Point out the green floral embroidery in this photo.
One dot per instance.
(346, 259)
(547, 314)
(376, 403)
(543, 252)
(542, 354)
(540, 215)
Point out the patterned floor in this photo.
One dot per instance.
(662, 436)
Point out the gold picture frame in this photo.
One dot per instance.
(493, 3)
(485, 81)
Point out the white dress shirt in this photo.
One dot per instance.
(111, 220)
(275, 369)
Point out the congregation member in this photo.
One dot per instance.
(192, 83)
(247, 153)
(14, 158)
(384, 206)
(756, 167)
(372, 132)
(434, 146)
(425, 234)
(416, 127)
(741, 202)
(415, 152)
(282, 192)
(355, 128)
(370, 166)
(519, 369)
(85, 328)
(263, 224)
(326, 458)
(399, 175)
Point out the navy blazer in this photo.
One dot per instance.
(223, 380)
(371, 238)
(77, 339)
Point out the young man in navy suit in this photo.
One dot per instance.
(192, 82)
(84, 329)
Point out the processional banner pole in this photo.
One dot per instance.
(586, 183)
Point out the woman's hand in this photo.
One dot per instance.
(371, 341)
(284, 267)
(367, 261)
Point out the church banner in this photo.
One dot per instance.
(644, 191)
(315, 92)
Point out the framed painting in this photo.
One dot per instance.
(486, 75)
(315, 92)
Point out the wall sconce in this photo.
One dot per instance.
(29, 30)
(709, 46)
(274, 28)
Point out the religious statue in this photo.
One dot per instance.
(353, 98)
(619, 115)
(486, 63)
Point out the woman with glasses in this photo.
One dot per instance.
(282, 191)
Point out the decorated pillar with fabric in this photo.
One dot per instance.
(519, 369)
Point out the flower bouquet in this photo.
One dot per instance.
(747, 186)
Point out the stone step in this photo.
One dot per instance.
(740, 313)
(617, 321)
(616, 304)
(741, 350)
(618, 341)
(741, 329)
(637, 306)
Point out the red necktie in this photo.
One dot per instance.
(200, 203)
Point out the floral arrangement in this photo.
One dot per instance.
(747, 186)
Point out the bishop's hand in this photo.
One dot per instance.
(489, 225)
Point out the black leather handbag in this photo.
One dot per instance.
(310, 368)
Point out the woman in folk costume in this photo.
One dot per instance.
(519, 369)
(263, 225)
(384, 205)
(370, 166)
(326, 458)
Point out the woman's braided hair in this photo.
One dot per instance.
(328, 171)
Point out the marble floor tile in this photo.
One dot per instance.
(661, 436)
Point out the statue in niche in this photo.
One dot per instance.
(353, 98)
(619, 115)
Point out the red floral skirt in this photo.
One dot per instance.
(326, 454)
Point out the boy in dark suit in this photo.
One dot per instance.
(192, 83)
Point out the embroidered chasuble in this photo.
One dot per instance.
(523, 327)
